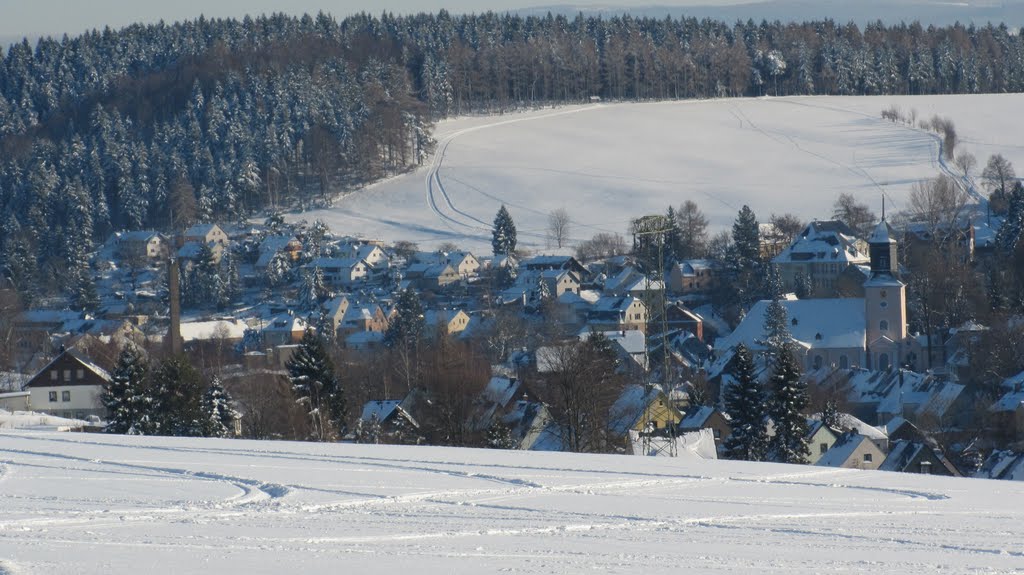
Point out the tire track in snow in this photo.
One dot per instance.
(433, 178)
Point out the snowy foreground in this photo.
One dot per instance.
(81, 503)
(608, 163)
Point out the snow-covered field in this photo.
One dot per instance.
(80, 503)
(608, 163)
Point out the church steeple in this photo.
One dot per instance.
(882, 249)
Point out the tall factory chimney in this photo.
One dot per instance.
(174, 287)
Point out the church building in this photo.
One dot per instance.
(868, 332)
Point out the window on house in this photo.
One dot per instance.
(818, 361)
(718, 433)
(823, 447)
(867, 458)
(795, 322)
(883, 325)
(53, 375)
(53, 396)
(883, 362)
(65, 396)
(844, 362)
(80, 374)
(67, 375)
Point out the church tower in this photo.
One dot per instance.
(885, 302)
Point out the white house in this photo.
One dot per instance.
(69, 386)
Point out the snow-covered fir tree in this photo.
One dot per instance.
(786, 407)
(126, 398)
(218, 413)
(177, 390)
(745, 404)
(317, 388)
(503, 234)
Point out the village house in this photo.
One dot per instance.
(820, 438)
(852, 451)
(289, 246)
(559, 282)
(465, 263)
(432, 277)
(616, 313)
(914, 457)
(204, 234)
(190, 252)
(641, 410)
(445, 322)
(372, 254)
(334, 310)
(142, 246)
(360, 318)
(341, 272)
(820, 253)
(691, 276)
(707, 417)
(283, 330)
(69, 386)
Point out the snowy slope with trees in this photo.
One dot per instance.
(81, 503)
(608, 163)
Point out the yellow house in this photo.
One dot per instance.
(450, 321)
(641, 409)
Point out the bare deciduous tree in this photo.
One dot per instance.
(558, 227)
(940, 204)
(603, 245)
(998, 176)
(857, 216)
(787, 226)
(693, 230)
(966, 162)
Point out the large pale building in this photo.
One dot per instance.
(868, 332)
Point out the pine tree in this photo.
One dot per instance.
(745, 404)
(177, 391)
(126, 398)
(776, 329)
(219, 416)
(317, 388)
(789, 400)
(503, 235)
(85, 296)
(746, 238)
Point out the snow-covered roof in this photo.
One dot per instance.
(631, 341)
(501, 390)
(1006, 465)
(629, 408)
(823, 242)
(696, 418)
(847, 422)
(200, 230)
(840, 451)
(817, 323)
(382, 409)
(1008, 402)
(138, 236)
(208, 330)
(882, 234)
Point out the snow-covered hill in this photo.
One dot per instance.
(608, 163)
(80, 503)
